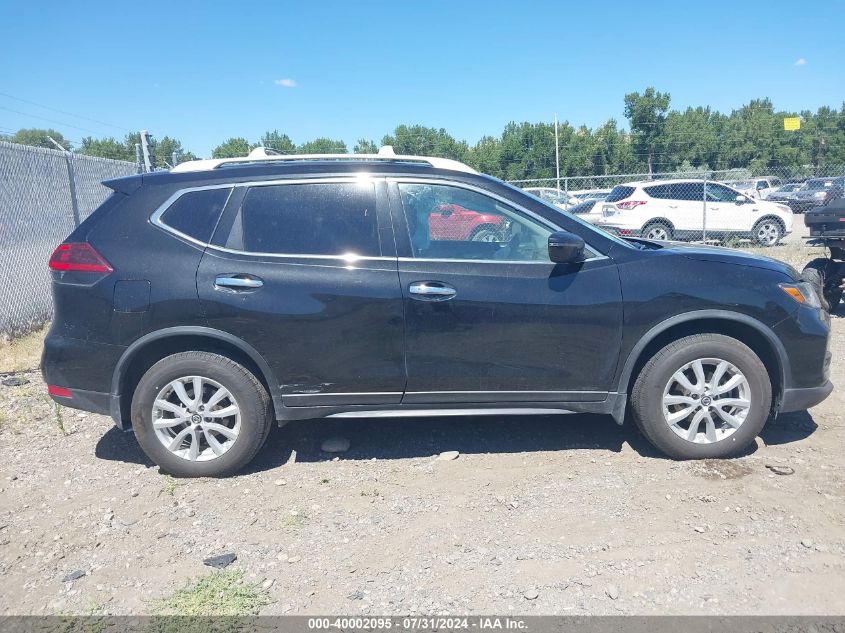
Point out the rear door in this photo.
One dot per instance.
(305, 272)
(689, 198)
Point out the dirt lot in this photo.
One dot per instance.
(564, 515)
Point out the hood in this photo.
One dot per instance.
(735, 256)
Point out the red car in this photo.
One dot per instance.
(452, 222)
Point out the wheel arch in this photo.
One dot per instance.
(150, 348)
(770, 216)
(747, 329)
(659, 220)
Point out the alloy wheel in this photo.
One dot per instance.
(706, 400)
(196, 418)
(768, 234)
(657, 233)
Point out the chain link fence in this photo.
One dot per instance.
(734, 208)
(44, 195)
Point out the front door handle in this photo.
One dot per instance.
(237, 281)
(431, 290)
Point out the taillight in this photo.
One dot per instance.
(61, 392)
(629, 204)
(80, 257)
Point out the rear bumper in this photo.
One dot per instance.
(804, 398)
(91, 401)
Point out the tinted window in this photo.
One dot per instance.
(659, 191)
(688, 191)
(618, 193)
(582, 207)
(196, 213)
(720, 193)
(311, 219)
(446, 222)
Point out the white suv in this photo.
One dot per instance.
(675, 209)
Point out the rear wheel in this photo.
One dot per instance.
(198, 414)
(768, 232)
(703, 396)
(657, 231)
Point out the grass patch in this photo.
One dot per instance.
(224, 593)
(294, 520)
(22, 353)
(170, 485)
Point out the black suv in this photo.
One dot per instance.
(200, 305)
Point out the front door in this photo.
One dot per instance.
(488, 318)
(305, 272)
(724, 213)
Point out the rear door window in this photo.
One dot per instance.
(659, 191)
(688, 191)
(310, 219)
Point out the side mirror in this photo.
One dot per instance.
(566, 248)
(740, 199)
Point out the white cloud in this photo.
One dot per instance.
(285, 83)
(800, 62)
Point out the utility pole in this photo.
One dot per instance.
(557, 155)
(146, 150)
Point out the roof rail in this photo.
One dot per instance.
(261, 155)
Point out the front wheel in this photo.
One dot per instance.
(702, 396)
(487, 234)
(768, 232)
(198, 414)
(825, 275)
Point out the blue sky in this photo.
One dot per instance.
(204, 71)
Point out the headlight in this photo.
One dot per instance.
(802, 292)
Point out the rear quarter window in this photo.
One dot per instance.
(620, 192)
(195, 213)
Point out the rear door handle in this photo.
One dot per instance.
(237, 282)
(431, 290)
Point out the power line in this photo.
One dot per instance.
(77, 116)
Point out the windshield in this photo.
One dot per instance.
(741, 184)
(822, 183)
(574, 218)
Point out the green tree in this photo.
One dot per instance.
(322, 145)
(418, 140)
(107, 148)
(363, 146)
(279, 142)
(37, 137)
(235, 147)
(647, 114)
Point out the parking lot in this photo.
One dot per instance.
(537, 515)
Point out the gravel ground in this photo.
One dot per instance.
(546, 515)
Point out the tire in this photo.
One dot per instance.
(486, 233)
(657, 231)
(768, 232)
(825, 276)
(243, 416)
(657, 381)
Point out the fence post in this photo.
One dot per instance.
(74, 203)
(704, 212)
